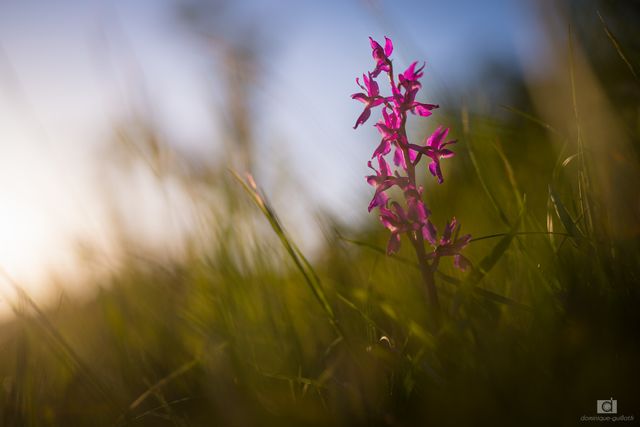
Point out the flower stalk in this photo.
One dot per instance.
(410, 216)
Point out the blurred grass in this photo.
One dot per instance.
(236, 331)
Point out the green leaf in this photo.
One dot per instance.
(305, 268)
(489, 261)
(568, 223)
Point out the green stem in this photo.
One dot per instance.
(416, 237)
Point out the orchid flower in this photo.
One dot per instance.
(389, 128)
(434, 148)
(388, 136)
(436, 145)
(370, 99)
(448, 245)
(396, 222)
(383, 180)
(411, 85)
(381, 56)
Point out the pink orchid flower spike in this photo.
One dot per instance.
(408, 217)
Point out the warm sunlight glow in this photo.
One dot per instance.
(34, 215)
(25, 236)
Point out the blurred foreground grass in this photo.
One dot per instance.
(243, 330)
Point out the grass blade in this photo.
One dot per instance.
(58, 342)
(483, 183)
(364, 315)
(309, 274)
(565, 217)
(531, 118)
(519, 233)
(616, 44)
(510, 175)
(584, 185)
(379, 250)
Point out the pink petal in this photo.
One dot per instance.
(461, 242)
(409, 73)
(360, 97)
(374, 89)
(377, 70)
(388, 46)
(363, 117)
(374, 44)
(379, 199)
(461, 262)
(385, 170)
(446, 153)
(390, 119)
(372, 86)
(400, 213)
(430, 233)
(383, 149)
(436, 137)
(417, 211)
(433, 168)
(384, 130)
(421, 111)
(413, 155)
(387, 218)
(394, 243)
(448, 230)
(398, 158)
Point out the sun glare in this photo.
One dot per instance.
(31, 233)
(24, 235)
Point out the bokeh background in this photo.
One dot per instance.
(141, 285)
